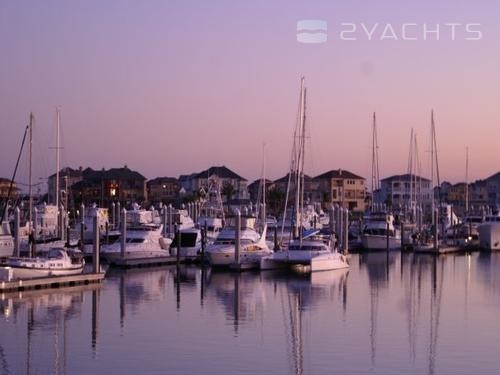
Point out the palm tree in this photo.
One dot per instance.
(228, 191)
(276, 201)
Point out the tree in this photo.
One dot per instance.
(228, 191)
(276, 201)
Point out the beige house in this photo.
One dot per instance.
(340, 187)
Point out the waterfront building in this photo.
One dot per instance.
(162, 190)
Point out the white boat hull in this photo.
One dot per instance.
(374, 242)
(489, 236)
(112, 256)
(226, 258)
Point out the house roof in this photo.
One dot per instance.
(257, 182)
(338, 173)
(68, 171)
(221, 172)
(496, 176)
(285, 178)
(404, 177)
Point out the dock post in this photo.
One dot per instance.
(106, 224)
(402, 230)
(203, 242)
(276, 244)
(164, 221)
(178, 236)
(238, 237)
(68, 235)
(341, 227)
(113, 215)
(82, 226)
(95, 257)
(436, 240)
(17, 224)
(34, 233)
(61, 233)
(387, 235)
(118, 215)
(346, 232)
(123, 220)
(169, 220)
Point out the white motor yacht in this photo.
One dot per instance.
(374, 233)
(142, 241)
(6, 240)
(309, 255)
(253, 245)
(489, 233)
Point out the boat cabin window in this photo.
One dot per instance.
(136, 240)
(55, 254)
(187, 239)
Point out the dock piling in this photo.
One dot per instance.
(82, 226)
(17, 224)
(238, 237)
(95, 256)
(123, 220)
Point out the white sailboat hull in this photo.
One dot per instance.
(30, 273)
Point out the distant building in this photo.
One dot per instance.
(106, 186)
(478, 193)
(4, 189)
(226, 179)
(493, 188)
(282, 185)
(163, 190)
(395, 191)
(67, 178)
(340, 187)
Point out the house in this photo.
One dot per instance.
(282, 184)
(493, 188)
(395, 191)
(4, 189)
(107, 186)
(340, 187)
(67, 178)
(162, 189)
(231, 185)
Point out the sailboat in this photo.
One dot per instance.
(432, 243)
(304, 252)
(379, 230)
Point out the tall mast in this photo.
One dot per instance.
(30, 184)
(410, 169)
(375, 170)
(432, 165)
(298, 151)
(303, 149)
(466, 179)
(57, 156)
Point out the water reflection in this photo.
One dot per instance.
(45, 314)
(388, 311)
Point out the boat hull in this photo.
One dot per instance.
(304, 261)
(374, 242)
(30, 273)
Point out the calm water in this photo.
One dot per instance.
(402, 314)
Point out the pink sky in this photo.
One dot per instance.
(174, 87)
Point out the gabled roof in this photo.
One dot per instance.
(68, 171)
(338, 173)
(496, 176)
(257, 182)
(221, 172)
(284, 179)
(404, 177)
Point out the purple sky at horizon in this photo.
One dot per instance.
(173, 87)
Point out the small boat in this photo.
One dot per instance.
(489, 233)
(55, 262)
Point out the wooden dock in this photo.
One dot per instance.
(50, 282)
(146, 262)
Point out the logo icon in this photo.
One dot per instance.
(312, 31)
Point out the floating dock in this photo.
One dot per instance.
(50, 282)
(146, 262)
